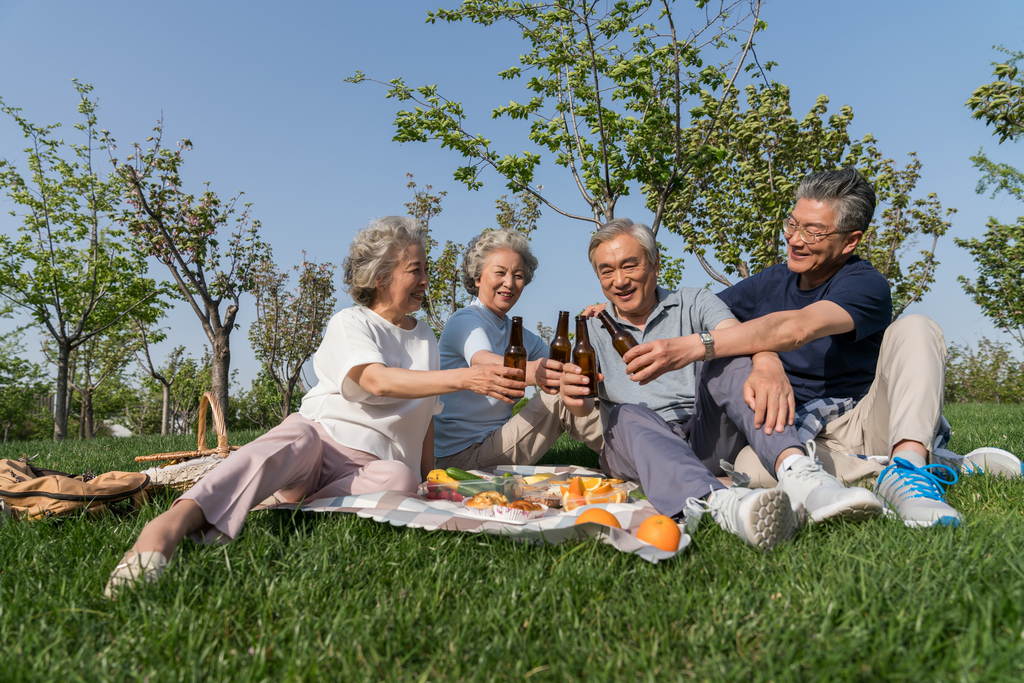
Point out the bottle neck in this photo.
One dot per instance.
(582, 334)
(517, 332)
(562, 329)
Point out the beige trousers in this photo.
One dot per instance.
(296, 460)
(904, 402)
(531, 432)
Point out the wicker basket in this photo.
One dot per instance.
(222, 449)
(181, 469)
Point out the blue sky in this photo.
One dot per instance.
(259, 89)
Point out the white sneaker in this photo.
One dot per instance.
(763, 518)
(988, 460)
(824, 496)
(917, 495)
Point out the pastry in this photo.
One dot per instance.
(524, 505)
(486, 500)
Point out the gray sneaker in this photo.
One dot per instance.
(824, 496)
(987, 460)
(763, 518)
(917, 494)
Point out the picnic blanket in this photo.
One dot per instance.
(403, 509)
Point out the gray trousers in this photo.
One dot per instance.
(674, 461)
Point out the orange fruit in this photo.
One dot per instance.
(598, 490)
(576, 486)
(598, 516)
(661, 532)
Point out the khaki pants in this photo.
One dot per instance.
(525, 438)
(904, 402)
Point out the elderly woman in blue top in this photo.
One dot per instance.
(477, 431)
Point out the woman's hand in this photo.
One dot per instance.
(496, 381)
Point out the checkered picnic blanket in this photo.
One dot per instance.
(402, 509)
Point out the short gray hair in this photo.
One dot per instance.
(375, 252)
(847, 193)
(624, 226)
(488, 242)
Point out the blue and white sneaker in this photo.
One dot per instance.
(988, 460)
(917, 494)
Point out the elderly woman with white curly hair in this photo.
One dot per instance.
(476, 430)
(364, 428)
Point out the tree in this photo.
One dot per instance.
(260, 406)
(99, 359)
(443, 296)
(290, 327)
(989, 374)
(999, 254)
(611, 115)
(184, 232)
(21, 384)
(147, 335)
(69, 269)
(735, 208)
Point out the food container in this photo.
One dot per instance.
(546, 493)
(607, 493)
(458, 491)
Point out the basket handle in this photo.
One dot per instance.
(210, 401)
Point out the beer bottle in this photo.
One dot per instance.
(515, 352)
(561, 349)
(583, 355)
(621, 339)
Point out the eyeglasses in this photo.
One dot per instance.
(807, 236)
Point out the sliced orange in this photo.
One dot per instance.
(576, 486)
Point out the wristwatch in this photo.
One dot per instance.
(709, 345)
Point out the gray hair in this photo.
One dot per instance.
(624, 226)
(375, 252)
(488, 242)
(846, 192)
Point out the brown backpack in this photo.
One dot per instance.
(36, 493)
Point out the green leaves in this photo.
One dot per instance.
(998, 288)
(610, 115)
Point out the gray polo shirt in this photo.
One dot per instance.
(678, 314)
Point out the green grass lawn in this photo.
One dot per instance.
(311, 596)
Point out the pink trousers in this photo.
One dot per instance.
(295, 461)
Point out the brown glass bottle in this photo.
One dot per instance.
(560, 348)
(622, 341)
(583, 355)
(515, 352)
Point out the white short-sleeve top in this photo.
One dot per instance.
(390, 428)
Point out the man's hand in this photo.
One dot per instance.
(573, 388)
(548, 375)
(592, 310)
(646, 362)
(769, 394)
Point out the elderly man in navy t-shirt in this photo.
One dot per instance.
(827, 314)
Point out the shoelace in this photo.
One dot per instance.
(921, 481)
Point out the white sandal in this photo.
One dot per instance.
(145, 567)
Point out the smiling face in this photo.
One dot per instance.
(404, 293)
(816, 263)
(629, 280)
(502, 281)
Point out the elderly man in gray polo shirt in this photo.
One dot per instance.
(672, 433)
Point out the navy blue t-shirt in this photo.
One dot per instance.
(839, 366)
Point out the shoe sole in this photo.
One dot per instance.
(864, 508)
(946, 520)
(767, 518)
(993, 461)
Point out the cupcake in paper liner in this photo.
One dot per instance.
(483, 504)
(520, 511)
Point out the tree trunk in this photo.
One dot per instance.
(221, 369)
(81, 419)
(88, 414)
(286, 402)
(60, 398)
(165, 414)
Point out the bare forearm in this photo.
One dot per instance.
(402, 383)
